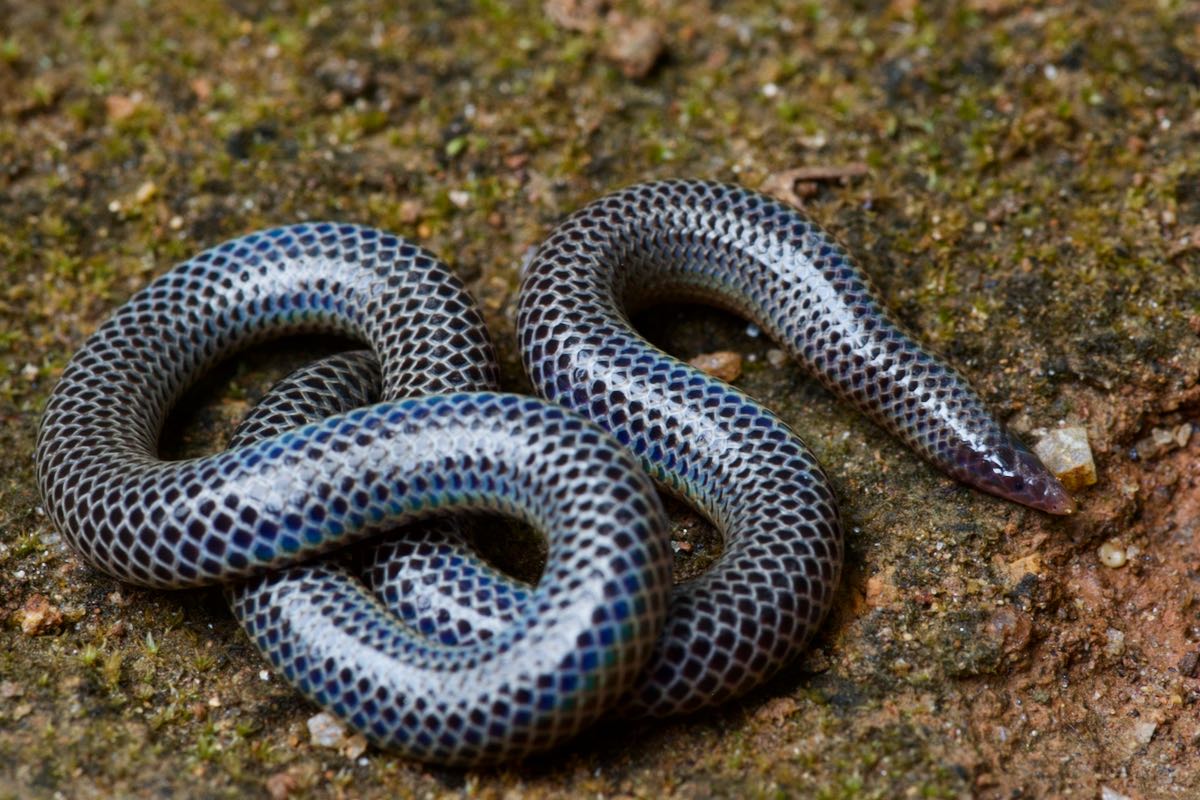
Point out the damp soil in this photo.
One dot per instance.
(1022, 181)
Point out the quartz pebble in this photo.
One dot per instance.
(1112, 554)
(1114, 644)
(1161, 441)
(1066, 453)
(325, 730)
(1143, 732)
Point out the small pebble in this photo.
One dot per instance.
(119, 107)
(1067, 454)
(409, 211)
(583, 16)
(145, 192)
(1143, 732)
(202, 88)
(1114, 644)
(281, 785)
(354, 746)
(39, 616)
(325, 730)
(1161, 441)
(1112, 794)
(348, 77)
(1183, 434)
(1112, 554)
(459, 198)
(723, 364)
(776, 358)
(635, 45)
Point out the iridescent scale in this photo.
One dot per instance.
(433, 651)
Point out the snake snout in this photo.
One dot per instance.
(1011, 471)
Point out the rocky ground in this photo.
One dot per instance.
(1021, 180)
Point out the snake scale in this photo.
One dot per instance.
(412, 639)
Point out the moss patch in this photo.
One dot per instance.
(1030, 210)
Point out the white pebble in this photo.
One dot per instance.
(1183, 434)
(776, 358)
(1067, 454)
(459, 198)
(1143, 732)
(1112, 554)
(325, 730)
(145, 192)
(1115, 644)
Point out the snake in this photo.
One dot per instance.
(334, 519)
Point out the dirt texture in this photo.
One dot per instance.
(1022, 180)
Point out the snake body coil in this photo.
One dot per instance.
(446, 658)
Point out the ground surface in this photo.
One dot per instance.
(1023, 181)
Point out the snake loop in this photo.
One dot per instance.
(442, 656)
(589, 624)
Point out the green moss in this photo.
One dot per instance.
(953, 108)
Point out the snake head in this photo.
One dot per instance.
(1008, 469)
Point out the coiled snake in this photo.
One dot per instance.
(439, 655)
